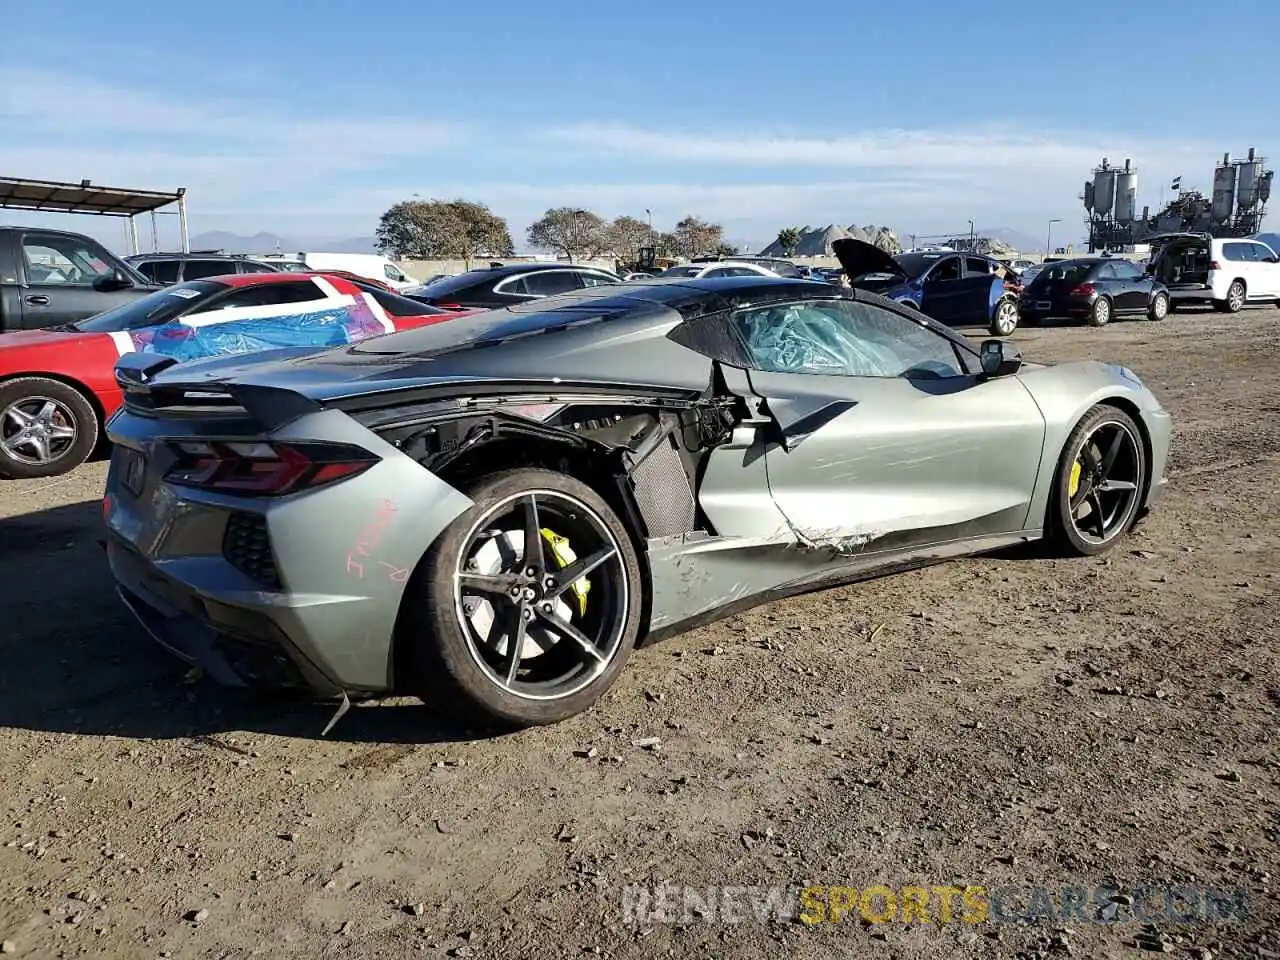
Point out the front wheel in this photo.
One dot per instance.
(1099, 484)
(1004, 319)
(527, 606)
(47, 428)
(1159, 308)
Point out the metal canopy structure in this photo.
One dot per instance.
(52, 196)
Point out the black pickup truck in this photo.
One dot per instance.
(51, 277)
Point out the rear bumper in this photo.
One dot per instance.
(300, 591)
(1031, 307)
(236, 645)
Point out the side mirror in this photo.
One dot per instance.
(110, 282)
(1000, 358)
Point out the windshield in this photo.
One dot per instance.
(153, 309)
(1067, 272)
(915, 264)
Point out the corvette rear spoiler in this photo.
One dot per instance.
(271, 407)
(136, 369)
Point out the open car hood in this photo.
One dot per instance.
(858, 257)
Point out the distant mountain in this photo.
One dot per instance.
(274, 243)
(1022, 242)
(236, 243)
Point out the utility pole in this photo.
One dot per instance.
(1048, 240)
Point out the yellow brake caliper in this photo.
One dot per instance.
(1073, 487)
(564, 555)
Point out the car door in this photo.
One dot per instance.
(885, 435)
(1133, 286)
(1266, 270)
(976, 301)
(1240, 264)
(60, 271)
(942, 290)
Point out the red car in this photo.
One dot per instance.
(57, 385)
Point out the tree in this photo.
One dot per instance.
(626, 235)
(694, 236)
(443, 230)
(788, 240)
(726, 250)
(482, 233)
(569, 231)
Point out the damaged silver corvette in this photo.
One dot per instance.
(491, 512)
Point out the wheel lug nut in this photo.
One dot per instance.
(527, 614)
(531, 572)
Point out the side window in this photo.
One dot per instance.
(1106, 272)
(250, 266)
(844, 338)
(163, 271)
(945, 270)
(199, 269)
(1127, 271)
(1235, 251)
(712, 336)
(552, 282)
(595, 280)
(1263, 253)
(62, 261)
(717, 272)
(267, 295)
(392, 272)
(515, 285)
(147, 269)
(977, 265)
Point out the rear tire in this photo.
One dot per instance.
(1235, 298)
(1159, 307)
(1004, 318)
(1100, 313)
(47, 428)
(1083, 471)
(460, 653)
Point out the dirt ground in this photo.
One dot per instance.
(1001, 721)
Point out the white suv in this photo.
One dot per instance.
(1227, 272)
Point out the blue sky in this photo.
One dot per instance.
(309, 119)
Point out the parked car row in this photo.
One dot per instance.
(57, 386)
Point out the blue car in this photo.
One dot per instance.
(958, 289)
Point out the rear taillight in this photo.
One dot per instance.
(260, 469)
(1084, 290)
(1214, 265)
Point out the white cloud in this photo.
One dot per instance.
(268, 165)
(144, 130)
(944, 151)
